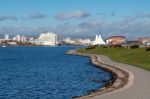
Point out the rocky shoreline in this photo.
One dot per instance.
(120, 76)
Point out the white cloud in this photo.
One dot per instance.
(35, 16)
(2, 18)
(72, 15)
(130, 27)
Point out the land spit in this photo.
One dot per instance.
(121, 78)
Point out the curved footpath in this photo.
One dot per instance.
(137, 86)
(140, 88)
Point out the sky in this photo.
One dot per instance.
(129, 18)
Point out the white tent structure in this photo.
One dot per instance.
(99, 40)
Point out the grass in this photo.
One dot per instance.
(137, 57)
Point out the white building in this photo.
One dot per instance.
(30, 40)
(17, 38)
(87, 42)
(84, 42)
(99, 40)
(68, 40)
(12, 43)
(47, 39)
(23, 39)
(6, 37)
(14, 38)
(145, 40)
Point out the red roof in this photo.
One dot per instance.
(115, 36)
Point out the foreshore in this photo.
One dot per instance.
(121, 78)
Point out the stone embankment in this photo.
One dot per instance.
(121, 79)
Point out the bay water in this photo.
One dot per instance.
(47, 73)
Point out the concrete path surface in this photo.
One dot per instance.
(140, 89)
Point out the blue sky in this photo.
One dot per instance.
(76, 17)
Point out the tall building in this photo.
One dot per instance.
(47, 39)
(17, 38)
(6, 37)
(14, 38)
(23, 39)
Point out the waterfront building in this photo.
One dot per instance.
(145, 41)
(99, 40)
(68, 40)
(12, 43)
(23, 39)
(47, 39)
(14, 38)
(1, 41)
(116, 40)
(30, 40)
(6, 37)
(17, 38)
(84, 42)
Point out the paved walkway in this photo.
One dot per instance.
(139, 90)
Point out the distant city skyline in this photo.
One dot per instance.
(129, 18)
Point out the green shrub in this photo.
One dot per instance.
(118, 46)
(105, 46)
(147, 49)
(90, 47)
(134, 46)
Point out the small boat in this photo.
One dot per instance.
(4, 46)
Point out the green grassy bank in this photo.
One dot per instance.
(138, 57)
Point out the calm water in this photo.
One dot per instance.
(46, 73)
